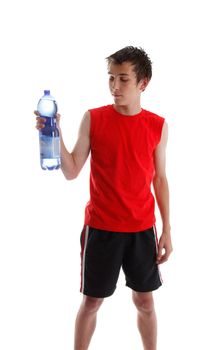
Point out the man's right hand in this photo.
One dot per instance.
(40, 120)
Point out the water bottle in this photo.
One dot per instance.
(49, 135)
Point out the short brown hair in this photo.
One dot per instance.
(137, 57)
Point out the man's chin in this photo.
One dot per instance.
(119, 102)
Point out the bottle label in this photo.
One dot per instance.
(49, 147)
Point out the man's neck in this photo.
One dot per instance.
(128, 110)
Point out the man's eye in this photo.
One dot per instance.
(124, 80)
(111, 78)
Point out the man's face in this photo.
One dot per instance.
(123, 84)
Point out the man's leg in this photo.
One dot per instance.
(86, 322)
(147, 322)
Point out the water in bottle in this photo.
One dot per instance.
(49, 135)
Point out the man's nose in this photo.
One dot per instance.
(115, 84)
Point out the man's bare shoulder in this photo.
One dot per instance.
(92, 113)
(164, 134)
(85, 124)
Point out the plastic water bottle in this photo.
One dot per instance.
(49, 135)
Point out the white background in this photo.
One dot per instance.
(61, 46)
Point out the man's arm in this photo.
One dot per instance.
(161, 190)
(72, 163)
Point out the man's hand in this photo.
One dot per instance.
(40, 121)
(166, 245)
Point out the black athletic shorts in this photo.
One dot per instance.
(103, 253)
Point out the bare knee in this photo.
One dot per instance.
(90, 304)
(143, 302)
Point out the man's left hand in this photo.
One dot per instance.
(166, 245)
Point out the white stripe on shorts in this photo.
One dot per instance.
(83, 257)
(156, 242)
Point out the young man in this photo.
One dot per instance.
(127, 145)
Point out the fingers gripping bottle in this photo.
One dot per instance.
(49, 135)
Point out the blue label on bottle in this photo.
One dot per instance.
(49, 147)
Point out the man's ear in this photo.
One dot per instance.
(144, 84)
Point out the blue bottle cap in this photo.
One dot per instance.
(46, 92)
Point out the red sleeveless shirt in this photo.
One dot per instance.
(122, 169)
